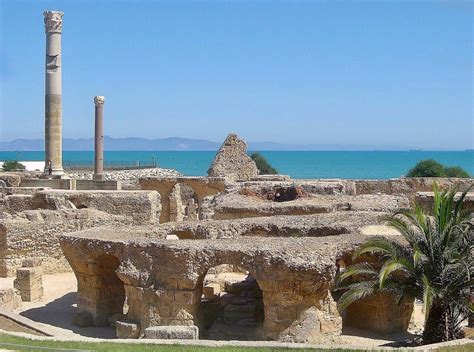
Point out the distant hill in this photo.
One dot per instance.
(114, 144)
(176, 143)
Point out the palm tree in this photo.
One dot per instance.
(432, 263)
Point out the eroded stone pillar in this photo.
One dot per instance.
(53, 23)
(99, 137)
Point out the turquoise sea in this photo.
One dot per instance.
(297, 164)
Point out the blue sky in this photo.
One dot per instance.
(329, 72)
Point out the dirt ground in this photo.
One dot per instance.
(57, 308)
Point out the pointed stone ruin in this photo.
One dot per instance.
(232, 161)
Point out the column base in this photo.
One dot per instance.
(98, 177)
(55, 173)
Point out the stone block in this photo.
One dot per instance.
(126, 329)
(29, 282)
(172, 332)
(83, 319)
(211, 291)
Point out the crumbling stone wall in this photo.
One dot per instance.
(202, 187)
(409, 186)
(35, 233)
(232, 161)
(140, 206)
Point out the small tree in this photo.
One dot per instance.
(263, 165)
(431, 168)
(435, 265)
(427, 168)
(12, 165)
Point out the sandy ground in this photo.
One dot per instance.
(57, 308)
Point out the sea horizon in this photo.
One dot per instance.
(374, 164)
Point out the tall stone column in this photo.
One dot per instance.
(53, 24)
(99, 138)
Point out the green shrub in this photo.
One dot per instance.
(263, 165)
(12, 165)
(431, 168)
(456, 171)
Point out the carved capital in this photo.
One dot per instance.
(99, 100)
(53, 21)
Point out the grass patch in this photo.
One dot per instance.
(463, 348)
(24, 344)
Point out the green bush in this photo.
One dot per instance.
(456, 171)
(263, 165)
(431, 168)
(12, 165)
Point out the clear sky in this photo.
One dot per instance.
(329, 72)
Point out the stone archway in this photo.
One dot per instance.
(101, 293)
(231, 306)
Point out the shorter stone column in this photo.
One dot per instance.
(99, 138)
(29, 280)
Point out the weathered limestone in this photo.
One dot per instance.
(426, 200)
(409, 186)
(50, 183)
(53, 96)
(11, 179)
(381, 313)
(232, 161)
(211, 291)
(99, 138)
(72, 184)
(164, 282)
(202, 186)
(236, 205)
(29, 281)
(140, 206)
(176, 205)
(172, 332)
(9, 299)
(34, 233)
(127, 329)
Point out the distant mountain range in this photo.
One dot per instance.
(178, 144)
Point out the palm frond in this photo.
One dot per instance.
(358, 269)
(356, 292)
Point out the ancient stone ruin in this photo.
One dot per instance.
(232, 161)
(207, 257)
(231, 256)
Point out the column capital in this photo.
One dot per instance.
(99, 100)
(53, 21)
